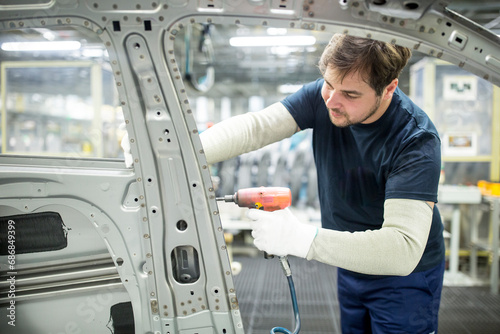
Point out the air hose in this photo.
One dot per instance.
(288, 273)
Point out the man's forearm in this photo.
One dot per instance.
(247, 132)
(395, 249)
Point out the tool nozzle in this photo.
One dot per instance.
(227, 198)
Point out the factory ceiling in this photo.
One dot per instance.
(247, 71)
(242, 71)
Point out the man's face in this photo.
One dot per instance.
(351, 101)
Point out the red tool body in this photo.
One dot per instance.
(264, 198)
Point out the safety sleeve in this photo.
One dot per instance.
(247, 132)
(394, 249)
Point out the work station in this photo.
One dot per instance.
(250, 166)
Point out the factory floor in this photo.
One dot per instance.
(264, 300)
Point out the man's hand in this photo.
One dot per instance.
(281, 233)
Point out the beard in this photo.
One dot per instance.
(345, 120)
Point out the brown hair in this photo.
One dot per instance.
(378, 62)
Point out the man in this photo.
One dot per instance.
(378, 162)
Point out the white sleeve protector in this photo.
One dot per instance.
(247, 132)
(394, 249)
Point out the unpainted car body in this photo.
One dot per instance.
(143, 246)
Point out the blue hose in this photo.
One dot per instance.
(288, 273)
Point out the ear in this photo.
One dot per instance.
(389, 89)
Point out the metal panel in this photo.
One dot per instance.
(170, 178)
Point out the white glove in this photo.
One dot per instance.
(281, 233)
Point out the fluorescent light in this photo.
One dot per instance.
(41, 46)
(272, 41)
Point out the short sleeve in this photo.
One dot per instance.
(416, 169)
(305, 103)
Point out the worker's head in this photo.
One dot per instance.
(378, 62)
(360, 77)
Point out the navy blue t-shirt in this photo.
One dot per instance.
(360, 166)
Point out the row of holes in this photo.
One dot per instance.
(413, 6)
(148, 27)
(138, 6)
(158, 113)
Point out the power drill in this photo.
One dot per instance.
(263, 198)
(269, 199)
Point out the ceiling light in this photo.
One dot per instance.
(272, 41)
(41, 46)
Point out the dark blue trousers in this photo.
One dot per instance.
(390, 304)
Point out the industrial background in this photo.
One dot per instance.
(51, 110)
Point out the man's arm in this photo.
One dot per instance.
(394, 249)
(247, 132)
